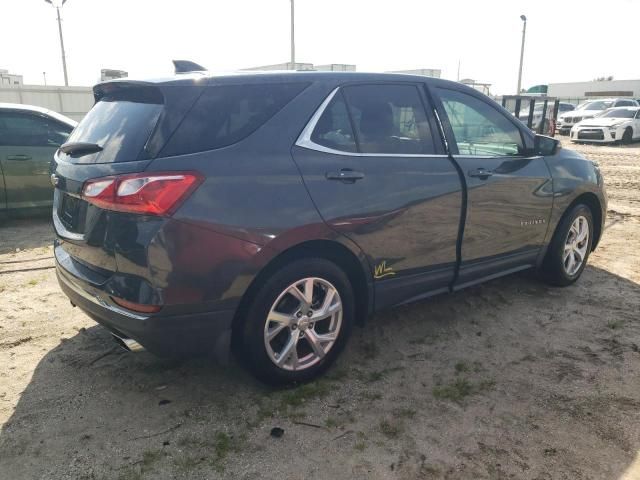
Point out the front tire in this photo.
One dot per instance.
(627, 136)
(570, 247)
(298, 322)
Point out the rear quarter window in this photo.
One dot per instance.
(226, 114)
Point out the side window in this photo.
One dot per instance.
(226, 114)
(389, 119)
(25, 130)
(333, 129)
(624, 103)
(479, 129)
(57, 133)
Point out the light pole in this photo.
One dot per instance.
(293, 37)
(58, 5)
(524, 33)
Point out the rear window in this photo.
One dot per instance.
(226, 114)
(121, 124)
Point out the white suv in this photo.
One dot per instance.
(589, 110)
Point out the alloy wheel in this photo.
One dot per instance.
(303, 324)
(576, 245)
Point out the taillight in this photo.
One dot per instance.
(143, 193)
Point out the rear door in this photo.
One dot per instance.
(376, 168)
(509, 191)
(27, 144)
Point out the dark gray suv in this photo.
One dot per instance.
(271, 212)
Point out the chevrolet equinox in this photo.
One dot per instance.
(267, 213)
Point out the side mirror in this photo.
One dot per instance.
(546, 146)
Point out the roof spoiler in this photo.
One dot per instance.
(186, 66)
(145, 92)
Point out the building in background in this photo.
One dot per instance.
(283, 66)
(481, 87)
(427, 72)
(340, 67)
(7, 78)
(110, 74)
(538, 90)
(595, 89)
(335, 67)
(305, 67)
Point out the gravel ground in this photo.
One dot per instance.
(511, 379)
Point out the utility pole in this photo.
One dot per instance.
(524, 33)
(293, 37)
(58, 4)
(44, 75)
(458, 70)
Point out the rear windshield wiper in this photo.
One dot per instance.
(80, 148)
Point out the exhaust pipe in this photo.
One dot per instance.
(128, 344)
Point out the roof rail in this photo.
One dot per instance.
(186, 66)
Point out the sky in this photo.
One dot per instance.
(567, 40)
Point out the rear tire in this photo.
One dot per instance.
(570, 247)
(284, 338)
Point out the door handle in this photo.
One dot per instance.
(346, 175)
(18, 157)
(481, 173)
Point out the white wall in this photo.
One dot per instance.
(74, 102)
(580, 89)
(427, 72)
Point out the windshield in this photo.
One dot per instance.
(599, 105)
(619, 113)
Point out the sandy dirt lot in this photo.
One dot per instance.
(512, 379)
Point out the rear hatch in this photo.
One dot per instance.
(122, 133)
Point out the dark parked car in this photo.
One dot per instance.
(272, 212)
(29, 136)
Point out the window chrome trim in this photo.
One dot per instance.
(304, 140)
(442, 133)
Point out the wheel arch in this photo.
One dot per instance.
(331, 250)
(592, 201)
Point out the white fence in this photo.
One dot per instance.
(74, 102)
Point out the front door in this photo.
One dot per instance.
(509, 191)
(27, 144)
(377, 171)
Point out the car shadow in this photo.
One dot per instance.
(91, 410)
(25, 234)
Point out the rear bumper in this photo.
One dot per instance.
(164, 335)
